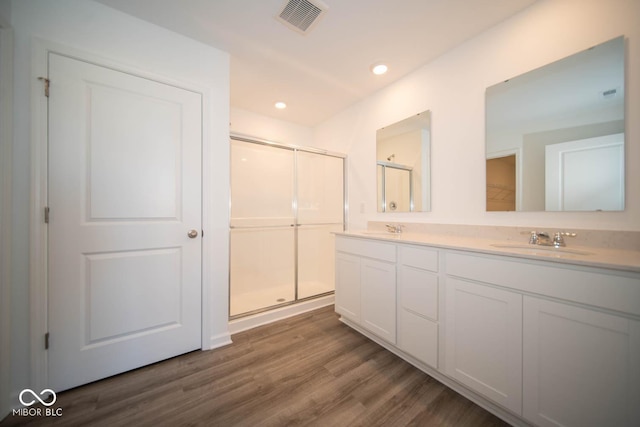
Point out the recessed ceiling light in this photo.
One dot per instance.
(280, 105)
(379, 69)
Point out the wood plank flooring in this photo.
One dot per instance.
(309, 370)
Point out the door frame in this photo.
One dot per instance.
(38, 250)
(505, 153)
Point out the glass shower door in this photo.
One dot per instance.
(262, 236)
(395, 188)
(320, 203)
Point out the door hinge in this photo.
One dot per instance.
(46, 85)
(202, 234)
(46, 215)
(46, 341)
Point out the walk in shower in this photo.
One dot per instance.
(285, 204)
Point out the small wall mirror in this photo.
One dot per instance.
(403, 165)
(555, 135)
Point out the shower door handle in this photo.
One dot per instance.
(192, 234)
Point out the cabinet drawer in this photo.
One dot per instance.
(418, 337)
(413, 256)
(419, 291)
(367, 248)
(596, 287)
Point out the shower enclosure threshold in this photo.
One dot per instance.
(272, 314)
(276, 304)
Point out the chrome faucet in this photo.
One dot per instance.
(539, 238)
(558, 238)
(542, 238)
(394, 228)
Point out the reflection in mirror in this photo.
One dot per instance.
(403, 165)
(555, 135)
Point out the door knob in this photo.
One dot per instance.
(192, 234)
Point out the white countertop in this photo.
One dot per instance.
(625, 260)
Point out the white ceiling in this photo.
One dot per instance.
(320, 73)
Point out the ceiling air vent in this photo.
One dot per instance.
(301, 15)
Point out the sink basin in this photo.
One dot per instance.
(539, 249)
(381, 233)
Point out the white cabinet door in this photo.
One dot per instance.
(418, 314)
(484, 341)
(347, 294)
(378, 284)
(581, 367)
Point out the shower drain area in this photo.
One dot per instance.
(256, 298)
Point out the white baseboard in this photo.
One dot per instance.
(219, 341)
(253, 321)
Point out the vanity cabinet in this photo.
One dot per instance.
(547, 341)
(484, 341)
(418, 312)
(366, 285)
(535, 342)
(581, 367)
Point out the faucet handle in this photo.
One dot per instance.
(394, 228)
(533, 236)
(567, 233)
(558, 238)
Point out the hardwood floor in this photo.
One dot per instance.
(307, 370)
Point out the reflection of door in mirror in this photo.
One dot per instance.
(585, 175)
(501, 183)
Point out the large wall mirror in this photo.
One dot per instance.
(403, 165)
(555, 135)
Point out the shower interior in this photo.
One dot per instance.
(395, 187)
(285, 204)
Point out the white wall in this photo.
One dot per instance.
(247, 123)
(106, 33)
(453, 86)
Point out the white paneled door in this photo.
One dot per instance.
(585, 175)
(125, 222)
